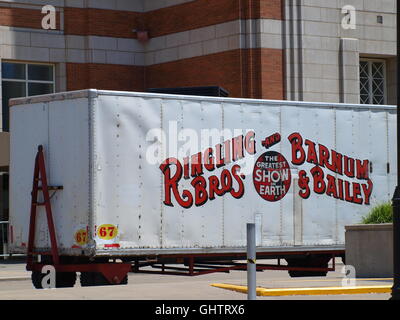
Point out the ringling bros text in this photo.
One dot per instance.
(336, 185)
(223, 154)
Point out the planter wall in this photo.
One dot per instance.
(369, 248)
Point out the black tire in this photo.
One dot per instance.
(313, 261)
(298, 274)
(37, 278)
(63, 279)
(90, 279)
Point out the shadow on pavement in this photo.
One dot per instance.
(13, 260)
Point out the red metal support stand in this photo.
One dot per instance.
(113, 272)
(39, 175)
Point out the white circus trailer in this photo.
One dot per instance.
(157, 178)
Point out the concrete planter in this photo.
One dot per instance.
(369, 248)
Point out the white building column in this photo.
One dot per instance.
(349, 73)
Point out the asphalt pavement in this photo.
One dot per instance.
(15, 284)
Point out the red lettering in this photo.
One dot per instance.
(237, 148)
(349, 167)
(347, 195)
(226, 181)
(340, 189)
(240, 192)
(209, 159)
(337, 162)
(171, 183)
(186, 168)
(311, 154)
(367, 189)
(331, 187)
(323, 156)
(196, 166)
(200, 185)
(213, 187)
(357, 193)
(303, 185)
(250, 143)
(298, 153)
(319, 183)
(227, 152)
(220, 162)
(362, 169)
(271, 140)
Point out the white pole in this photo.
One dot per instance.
(251, 261)
(5, 251)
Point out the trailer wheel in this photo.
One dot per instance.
(37, 278)
(297, 274)
(314, 261)
(63, 279)
(90, 279)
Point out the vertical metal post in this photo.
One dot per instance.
(5, 251)
(251, 261)
(396, 196)
(3, 225)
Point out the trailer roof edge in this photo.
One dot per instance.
(87, 93)
(92, 93)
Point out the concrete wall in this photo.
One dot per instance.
(369, 248)
(322, 57)
(96, 38)
(391, 81)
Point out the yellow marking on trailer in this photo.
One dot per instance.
(307, 291)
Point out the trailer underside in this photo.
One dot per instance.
(114, 270)
(308, 263)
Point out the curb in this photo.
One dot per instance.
(15, 278)
(307, 291)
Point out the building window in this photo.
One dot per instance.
(372, 81)
(23, 80)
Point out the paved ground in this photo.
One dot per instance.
(15, 284)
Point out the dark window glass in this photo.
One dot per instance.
(372, 82)
(16, 89)
(40, 72)
(35, 89)
(13, 70)
(10, 90)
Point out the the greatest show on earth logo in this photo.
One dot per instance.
(271, 176)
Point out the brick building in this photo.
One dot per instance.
(269, 49)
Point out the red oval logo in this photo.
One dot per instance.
(272, 176)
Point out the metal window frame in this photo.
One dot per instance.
(370, 79)
(368, 85)
(26, 80)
